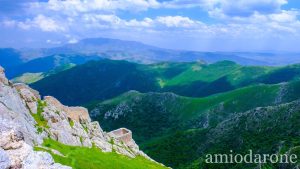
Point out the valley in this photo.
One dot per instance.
(173, 107)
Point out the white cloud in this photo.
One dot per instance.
(207, 4)
(177, 21)
(73, 7)
(47, 24)
(41, 22)
(240, 8)
(113, 21)
(285, 16)
(245, 8)
(146, 22)
(24, 25)
(9, 23)
(240, 19)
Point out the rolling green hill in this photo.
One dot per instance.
(105, 79)
(96, 81)
(161, 113)
(155, 116)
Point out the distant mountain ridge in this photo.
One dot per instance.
(141, 53)
(138, 52)
(49, 63)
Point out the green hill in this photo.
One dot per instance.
(154, 116)
(268, 130)
(160, 113)
(105, 79)
(96, 81)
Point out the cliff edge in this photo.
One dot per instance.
(26, 120)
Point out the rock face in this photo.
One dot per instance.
(25, 120)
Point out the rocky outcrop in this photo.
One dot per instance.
(26, 120)
(16, 153)
(75, 113)
(123, 135)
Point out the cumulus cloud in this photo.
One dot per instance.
(41, 22)
(285, 16)
(177, 21)
(113, 21)
(254, 20)
(46, 24)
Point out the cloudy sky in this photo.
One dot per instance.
(203, 25)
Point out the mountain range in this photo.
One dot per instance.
(20, 61)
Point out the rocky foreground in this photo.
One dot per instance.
(26, 120)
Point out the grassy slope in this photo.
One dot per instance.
(28, 78)
(93, 158)
(202, 72)
(96, 81)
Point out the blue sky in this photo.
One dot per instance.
(203, 25)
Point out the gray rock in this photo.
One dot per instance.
(4, 159)
(41, 160)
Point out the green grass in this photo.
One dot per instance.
(84, 126)
(233, 101)
(71, 122)
(205, 73)
(93, 158)
(28, 78)
(41, 122)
